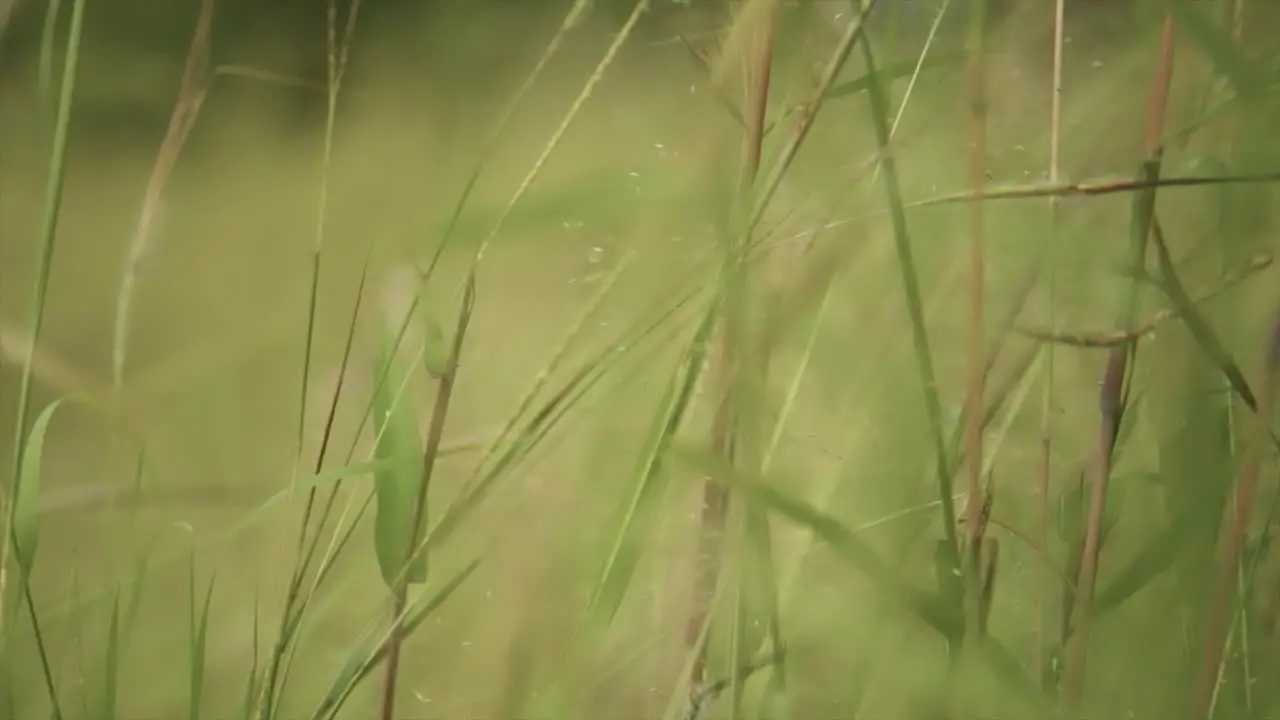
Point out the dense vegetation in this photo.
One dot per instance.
(640, 359)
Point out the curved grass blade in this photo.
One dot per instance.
(879, 111)
(1196, 324)
(26, 510)
(44, 266)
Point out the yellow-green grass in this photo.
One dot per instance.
(212, 392)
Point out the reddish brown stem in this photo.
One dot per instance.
(1112, 402)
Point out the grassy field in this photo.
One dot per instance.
(524, 364)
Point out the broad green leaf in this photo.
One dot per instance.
(396, 486)
(26, 517)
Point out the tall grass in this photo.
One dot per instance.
(806, 585)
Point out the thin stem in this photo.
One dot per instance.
(1051, 273)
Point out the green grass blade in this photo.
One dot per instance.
(570, 20)
(1201, 331)
(879, 113)
(44, 266)
(647, 488)
(553, 363)
(26, 511)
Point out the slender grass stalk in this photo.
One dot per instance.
(1050, 272)
(336, 58)
(879, 112)
(39, 292)
(1114, 388)
(804, 122)
(571, 19)
(191, 95)
(296, 602)
(620, 39)
(431, 451)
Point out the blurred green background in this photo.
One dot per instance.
(214, 372)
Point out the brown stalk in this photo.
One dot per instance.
(191, 95)
(715, 497)
(431, 451)
(1089, 188)
(1237, 516)
(1113, 395)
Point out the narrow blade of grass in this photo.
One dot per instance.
(879, 114)
(619, 565)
